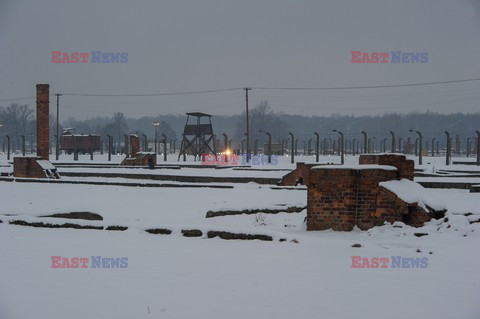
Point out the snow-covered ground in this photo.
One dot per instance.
(429, 163)
(309, 275)
(142, 207)
(176, 277)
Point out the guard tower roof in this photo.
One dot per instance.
(198, 114)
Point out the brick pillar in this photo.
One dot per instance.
(43, 133)
(134, 145)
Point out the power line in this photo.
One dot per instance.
(364, 87)
(347, 108)
(278, 88)
(257, 88)
(356, 97)
(155, 94)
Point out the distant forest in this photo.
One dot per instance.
(17, 120)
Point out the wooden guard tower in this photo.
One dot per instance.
(197, 137)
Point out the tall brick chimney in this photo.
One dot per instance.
(43, 129)
(38, 166)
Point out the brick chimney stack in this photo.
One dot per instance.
(43, 129)
(134, 145)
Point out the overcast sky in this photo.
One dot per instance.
(177, 46)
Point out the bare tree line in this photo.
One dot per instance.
(18, 120)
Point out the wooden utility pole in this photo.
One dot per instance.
(57, 151)
(247, 133)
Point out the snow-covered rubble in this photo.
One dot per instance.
(412, 192)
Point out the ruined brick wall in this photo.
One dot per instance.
(43, 134)
(141, 159)
(137, 158)
(27, 167)
(416, 216)
(390, 206)
(405, 167)
(298, 176)
(134, 145)
(338, 197)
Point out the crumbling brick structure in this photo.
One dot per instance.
(138, 158)
(33, 167)
(409, 213)
(341, 196)
(38, 166)
(134, 145)
(297, 176)
(406, 168)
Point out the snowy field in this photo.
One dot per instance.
(429, 162)
(430, 165)
(298, 274)
(176, 277)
